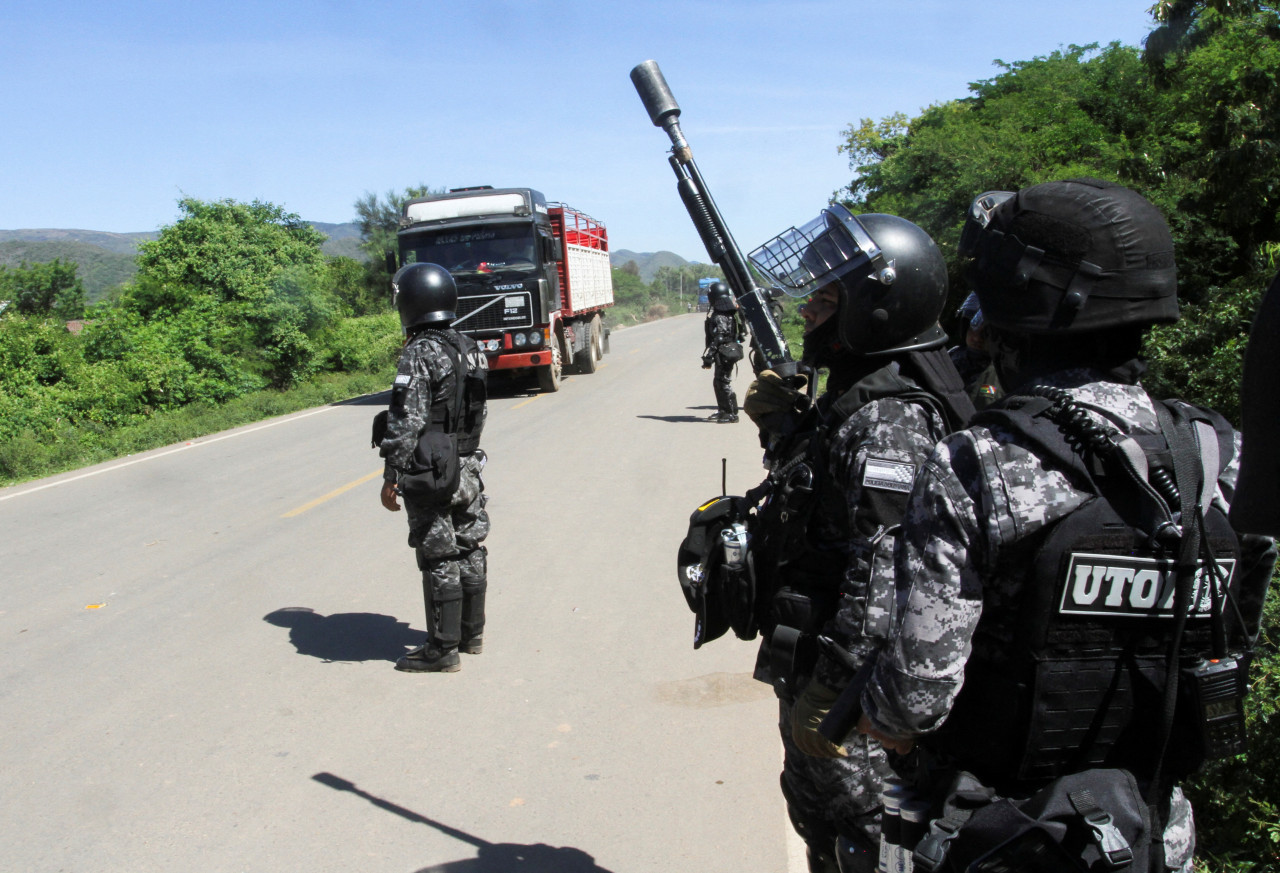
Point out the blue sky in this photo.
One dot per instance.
(111, 112)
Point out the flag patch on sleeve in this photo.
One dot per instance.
(888, 475)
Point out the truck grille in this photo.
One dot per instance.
(505, 311)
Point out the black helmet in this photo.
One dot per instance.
(1075, 256)
(891, 277)
(425, 294)
(719, 297)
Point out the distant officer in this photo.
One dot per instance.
(972, 360)
(837, 488)
(724, 335)
(439, 390)
(1065, 568)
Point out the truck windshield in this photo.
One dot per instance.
(494, 248)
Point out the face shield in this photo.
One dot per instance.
(825, 250)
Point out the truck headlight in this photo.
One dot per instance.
(535, 337)
(518, 340)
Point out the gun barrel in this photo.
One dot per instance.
(664, 112)
(654, 93)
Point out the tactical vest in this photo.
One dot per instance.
(797, 579)
(462, 411)
(1074, 673)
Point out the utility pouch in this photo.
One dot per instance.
(795, 609)
(730, 351)
(792, 654)
(1096, 820)
(793, 645)
(436, 470)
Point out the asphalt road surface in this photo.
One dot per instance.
(197, 649)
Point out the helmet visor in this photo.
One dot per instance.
(802, 260)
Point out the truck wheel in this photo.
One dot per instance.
(590, 355)
(549, 376)
(598, 347)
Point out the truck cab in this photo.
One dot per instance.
(516, 273)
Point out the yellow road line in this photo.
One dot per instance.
(332, 494)
(526, 402)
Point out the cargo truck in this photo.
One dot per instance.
(534, 280)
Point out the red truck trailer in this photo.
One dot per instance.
(534, 279)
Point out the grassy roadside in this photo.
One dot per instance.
(24, 457)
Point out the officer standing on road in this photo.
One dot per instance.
(439, 388)
(837, 487)
(1010, 662)
(724, 335)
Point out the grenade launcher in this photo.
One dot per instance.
(723, 251)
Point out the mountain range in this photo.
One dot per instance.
(106, 259)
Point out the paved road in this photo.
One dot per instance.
(196, 648)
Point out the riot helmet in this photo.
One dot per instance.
(891, 277)
(425, 294)
(1070, 257)
(719, 298)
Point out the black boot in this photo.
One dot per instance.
(440, 652)
(428, 658)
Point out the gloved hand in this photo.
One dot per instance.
(770, 400)
(708, 357)
(808, 712)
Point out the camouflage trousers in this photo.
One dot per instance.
(1179, 834)
(449, 541)
(830, 797)
(722, 383)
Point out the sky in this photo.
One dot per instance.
(110, 113)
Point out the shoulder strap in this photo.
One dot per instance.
(1028, 417)
(453, 347)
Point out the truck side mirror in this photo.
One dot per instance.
(391, 262)
(551, 245)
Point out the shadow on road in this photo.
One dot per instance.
(382, 398)
(490, 857)
(345, 636)
(682, 419)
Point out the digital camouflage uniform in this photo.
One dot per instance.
(722, 327)
(972, 524)
(448, 541)
(872, 457)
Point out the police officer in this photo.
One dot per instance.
(439, 387)
(1021, 654)
(724, 335)
(970, 355)
(838, 485)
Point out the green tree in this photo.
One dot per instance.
(1072, 113)
(233, 251)
(253, 270)
(50, 288)
(379, 220)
